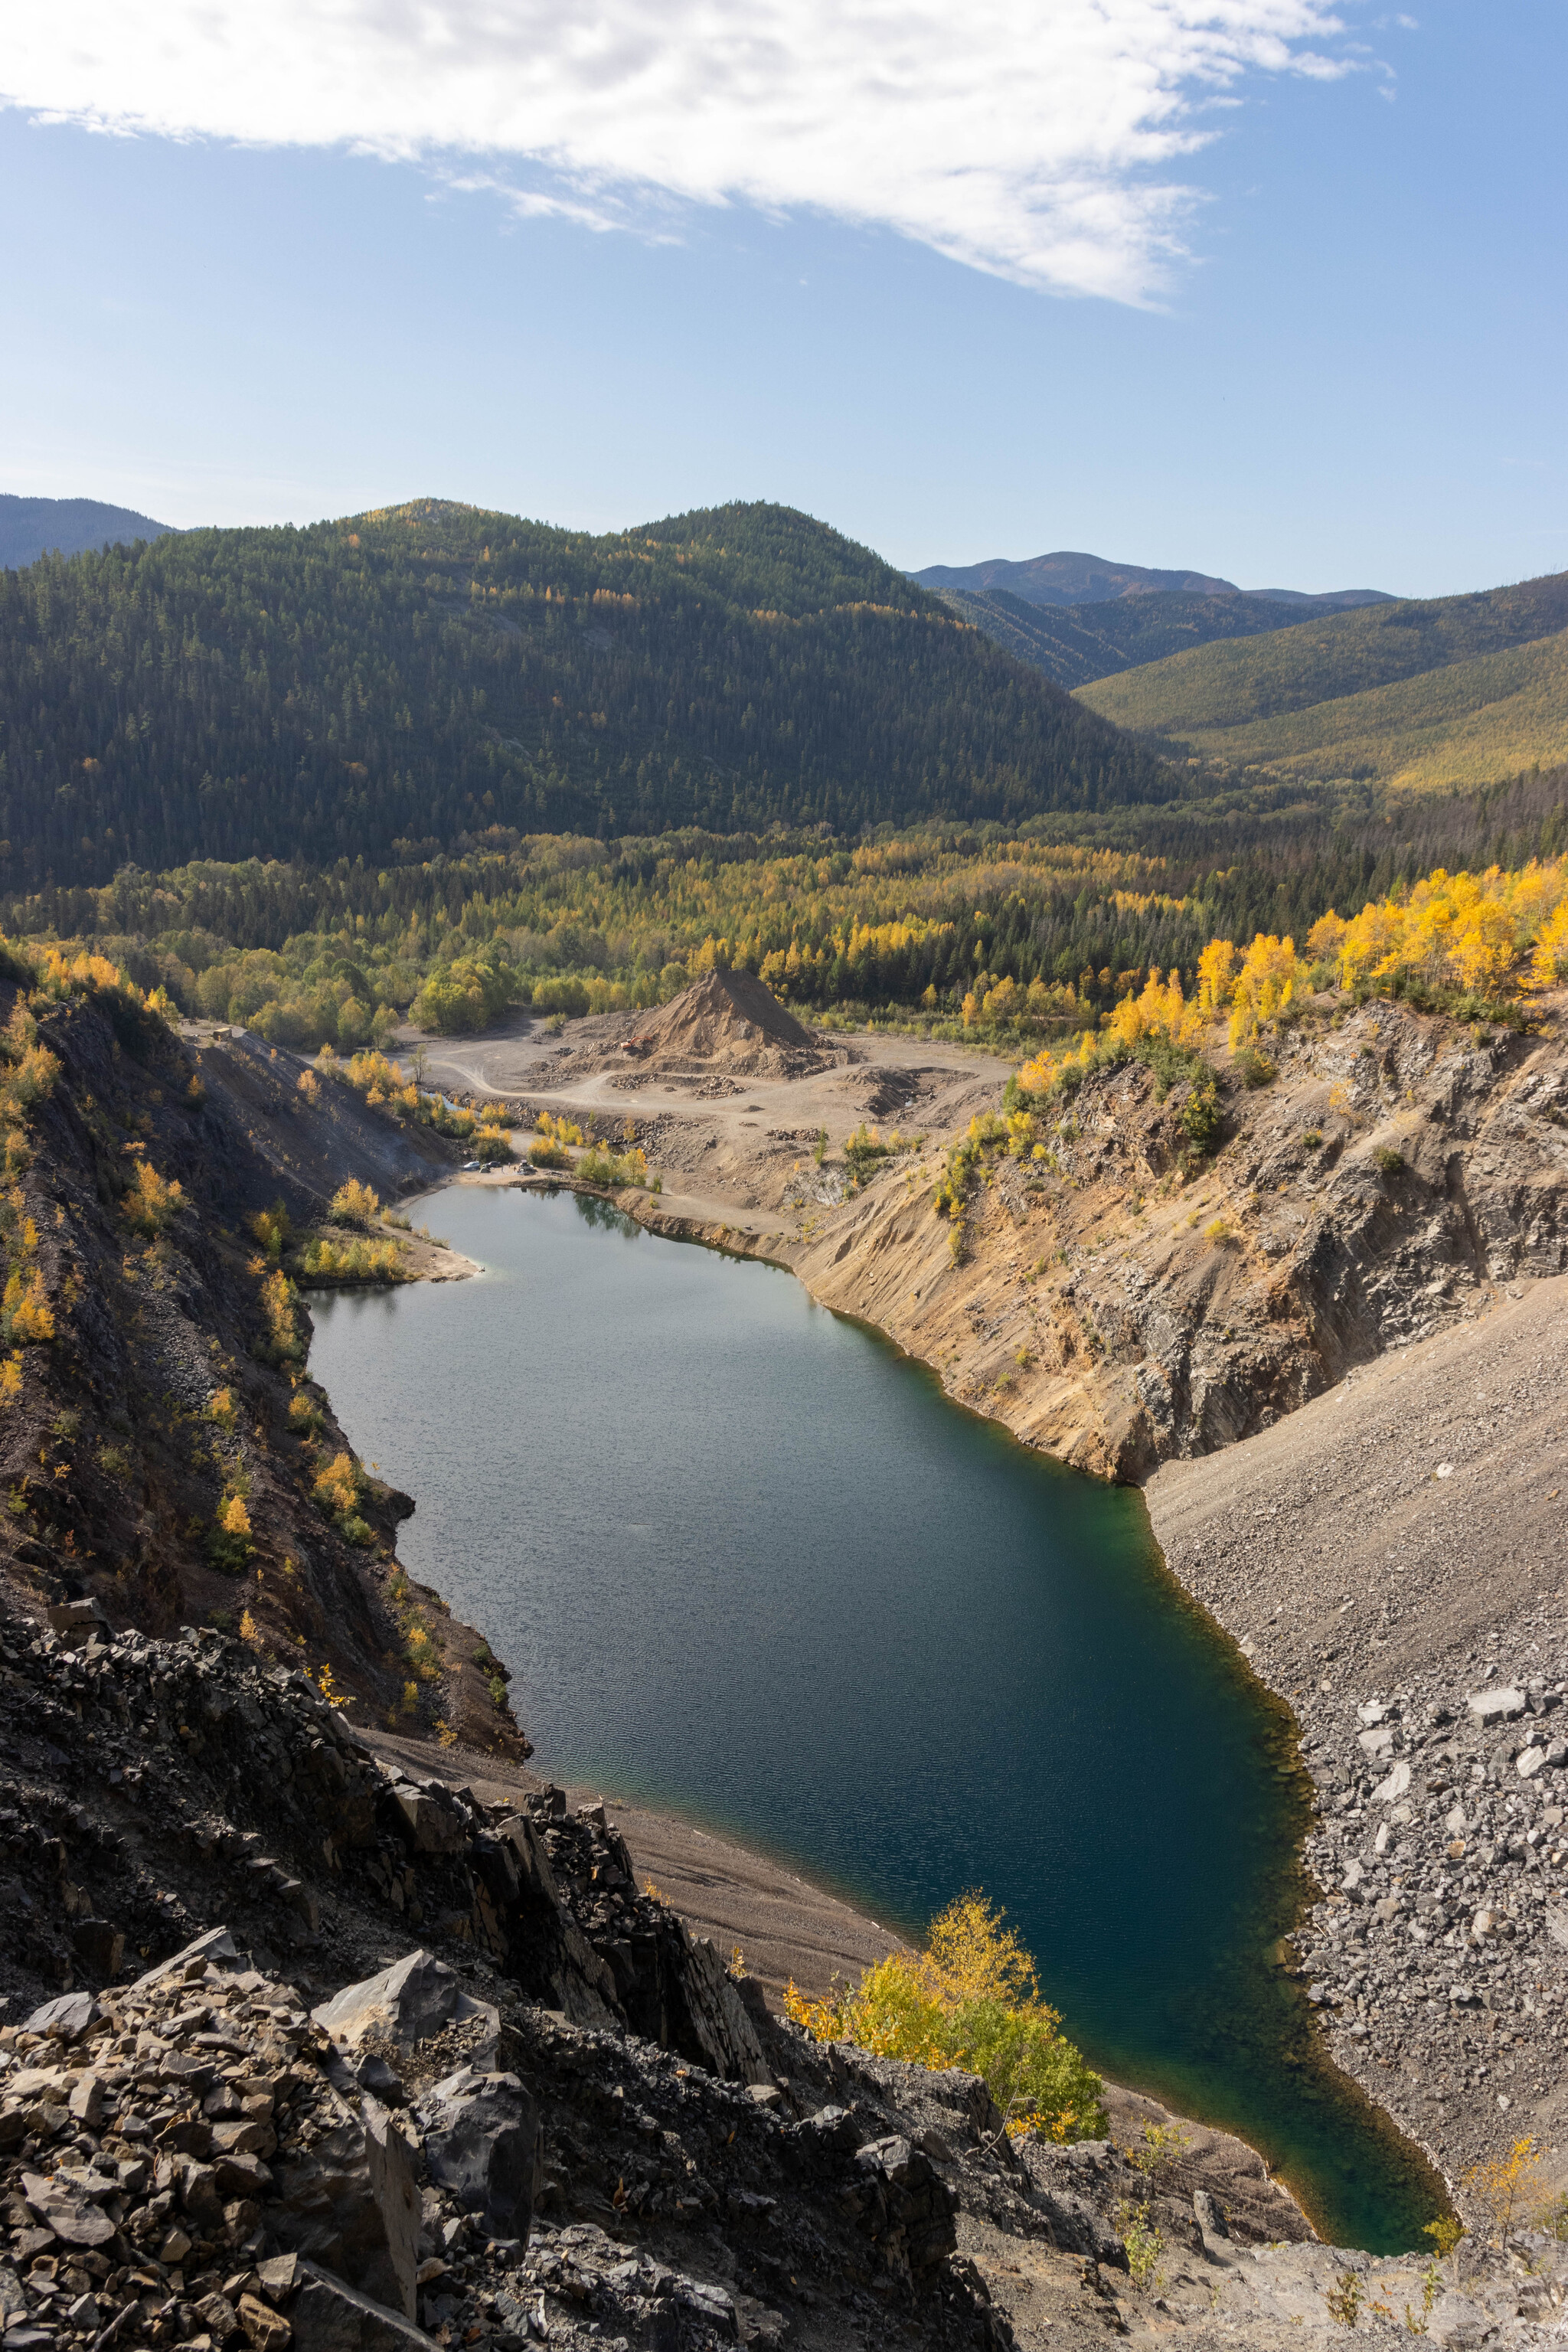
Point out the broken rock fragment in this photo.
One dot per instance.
(482, 2138)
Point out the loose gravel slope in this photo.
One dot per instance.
(1385, 1554)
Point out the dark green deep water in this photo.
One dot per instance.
(746, 1560)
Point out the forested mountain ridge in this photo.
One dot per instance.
(383, 683)
(1067, 577)
(1076, 645)
(1450, 690)
(33, 527)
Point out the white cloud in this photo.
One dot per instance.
(1042, 140)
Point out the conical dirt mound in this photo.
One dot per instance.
(725, 1020)
(721, 1010)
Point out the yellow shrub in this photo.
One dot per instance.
(148, 1207)
(329, 1689)
(354, 1203)
(336, 1487)
(10, 1380)
(32, 1081)
(277, 1299)
(375, 1078)
(272, 1229)
(233, 1518)
(1503, 2182)
(1038, 1076)
(424, 1654)
(355, 1261)
(600, 1166)
(971, 1998)
(220, 1409)
(27, 1313)
(59, 974)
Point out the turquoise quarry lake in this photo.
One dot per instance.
(747, 1561)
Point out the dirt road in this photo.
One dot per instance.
(732, 1149)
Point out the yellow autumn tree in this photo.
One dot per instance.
(1216, 977)
(1471, 932)
(1549, 964)
(1370, 940)
(1271, 975)
(1483, 949)
(354, 1203)
(1161, 1011)
(149, 1205)
(336, 1487)
(1326, 938)
(25, 1311)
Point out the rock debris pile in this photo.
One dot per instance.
(1390, 1559)
(1440, 1952)
(200, 2158)
(204, 1777)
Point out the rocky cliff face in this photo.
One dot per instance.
(1119, 1310)
(171, 1384)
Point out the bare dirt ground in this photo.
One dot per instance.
(732, 1147)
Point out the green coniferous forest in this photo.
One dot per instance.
(1078, 644)
(379, 686)
(1449, 691)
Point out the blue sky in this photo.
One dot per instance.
(1349, 372)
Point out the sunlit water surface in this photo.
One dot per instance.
(746, 1560)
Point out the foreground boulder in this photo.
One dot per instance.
(481, 2140)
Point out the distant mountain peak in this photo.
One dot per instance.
(1070, 577)
(33, 527)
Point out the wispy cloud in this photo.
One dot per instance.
(1047, 140)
